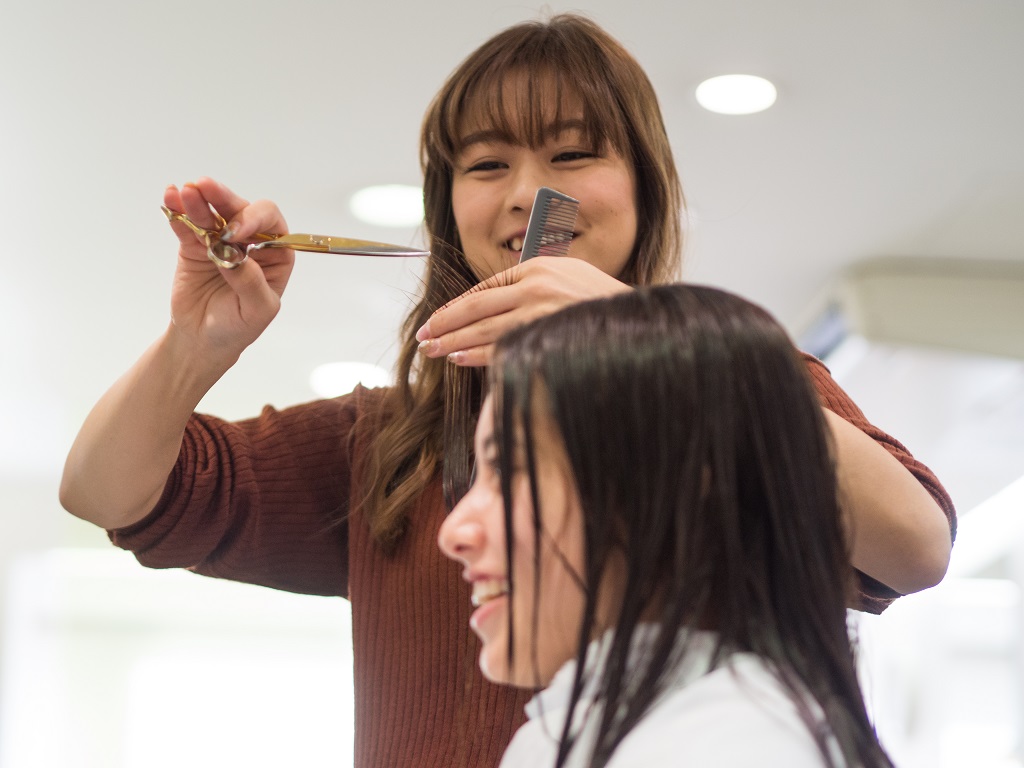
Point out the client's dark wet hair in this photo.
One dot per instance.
(702, 460)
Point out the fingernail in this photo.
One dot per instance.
(429, 347)
(424, 332)
(228, 232)
(456, 358)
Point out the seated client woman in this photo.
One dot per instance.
(654, 538)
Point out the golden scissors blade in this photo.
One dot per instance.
(330, 244)
(297, 241)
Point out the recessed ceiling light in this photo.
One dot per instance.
(389, 205)
(334, 379)
(736, 94)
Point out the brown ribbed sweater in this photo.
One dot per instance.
(266, 501)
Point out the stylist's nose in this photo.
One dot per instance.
(461, 536)
(527, 178)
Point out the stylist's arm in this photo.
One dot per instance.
(897, 532)
(120, 460)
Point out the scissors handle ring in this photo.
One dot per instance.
(216, 249)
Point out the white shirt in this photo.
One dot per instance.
(739, 714)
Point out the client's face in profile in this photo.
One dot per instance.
(548, 590)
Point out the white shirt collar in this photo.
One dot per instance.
(552, 702)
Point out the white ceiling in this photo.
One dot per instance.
(897, 132)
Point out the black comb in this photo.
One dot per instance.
(552, 219)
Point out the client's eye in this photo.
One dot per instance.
(494, 466)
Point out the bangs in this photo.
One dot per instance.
(526, 95)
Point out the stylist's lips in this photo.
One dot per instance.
(486, 590)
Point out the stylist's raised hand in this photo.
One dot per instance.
(466, 328)
(222, 311)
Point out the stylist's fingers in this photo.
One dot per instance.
(206, 199)
(481, 332)
(470, 307)
(258, 298)
(198, 208)
(244, 219)
(473, 321)
(475, 357)
(190, 240)
(509, 299)
(496, 282)
(190, 201)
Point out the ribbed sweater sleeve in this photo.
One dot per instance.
(876, 596)
(260, 501)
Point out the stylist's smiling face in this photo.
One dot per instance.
(495, 180)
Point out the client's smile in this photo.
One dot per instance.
(486, 590)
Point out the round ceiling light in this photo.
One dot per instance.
(389, 205)
(736, 94)
(334, 379)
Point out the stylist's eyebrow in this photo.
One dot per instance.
(483, 137)
(496, 135)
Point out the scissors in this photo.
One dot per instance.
(231, 255)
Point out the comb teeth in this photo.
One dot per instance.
(552, 220)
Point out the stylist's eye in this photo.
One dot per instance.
(576, 154)
(485, 165)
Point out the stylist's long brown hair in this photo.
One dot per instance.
(431, 411)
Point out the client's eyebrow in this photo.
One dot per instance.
(552, 130)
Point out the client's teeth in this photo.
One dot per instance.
(488, 590)
(516, 243)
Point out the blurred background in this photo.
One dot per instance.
(875, 208)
